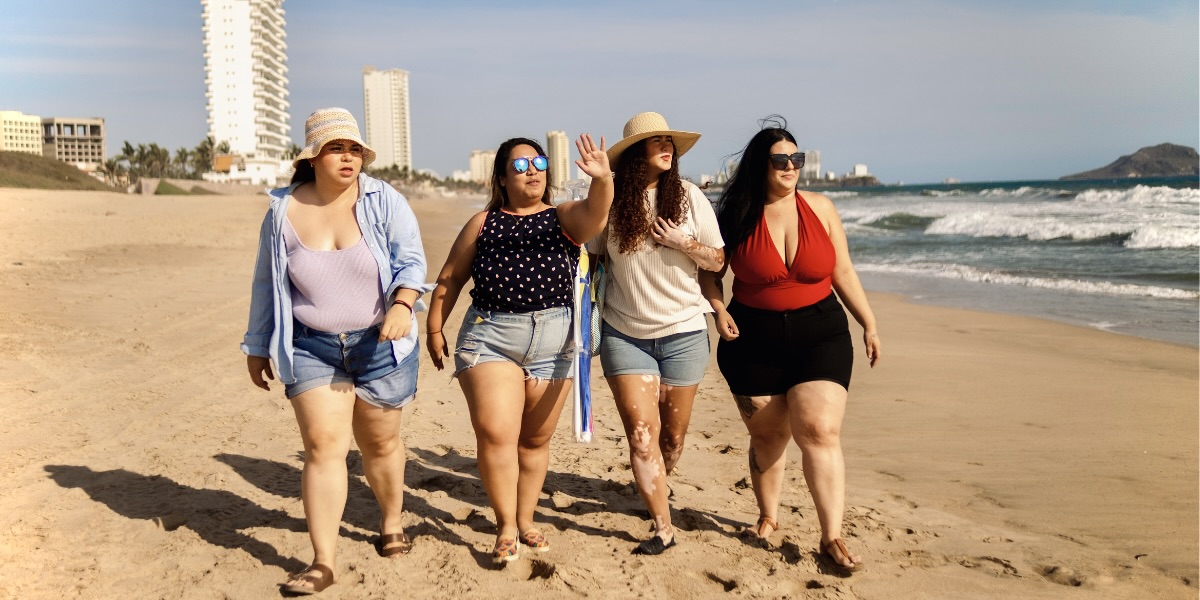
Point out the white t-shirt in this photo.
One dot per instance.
(654, 291)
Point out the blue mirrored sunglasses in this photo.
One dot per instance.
(540, 163)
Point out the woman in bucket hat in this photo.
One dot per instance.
(654, 340)
(513, 354)
(339, 271)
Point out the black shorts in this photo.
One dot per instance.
(777, 350)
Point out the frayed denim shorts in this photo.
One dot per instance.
(355, 357)
(678, 359)
(539, 342)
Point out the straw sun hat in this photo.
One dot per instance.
(326, 125)
(646, 125)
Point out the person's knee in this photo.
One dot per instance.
(641, 441)
(818, 434)
(380, 445)
(326, 446)
(770, 441)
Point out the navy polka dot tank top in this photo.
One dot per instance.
(523, 263)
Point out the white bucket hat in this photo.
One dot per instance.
(647, 125)
(325, 125)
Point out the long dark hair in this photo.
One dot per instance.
(304, 173)
(499, 194)
(741, 204)
(629, 219)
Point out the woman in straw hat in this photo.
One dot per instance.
(654, 340)
(514, 351)
(340, 268)
(785, 344)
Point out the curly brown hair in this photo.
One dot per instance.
(629, 219)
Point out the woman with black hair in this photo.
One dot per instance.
(785, 346)
(514, 351)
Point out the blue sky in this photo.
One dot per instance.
(919, 90)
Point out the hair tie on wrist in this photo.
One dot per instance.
(433, 332)
(402, 303)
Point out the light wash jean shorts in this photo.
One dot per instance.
(355, 357)
(539, 342)
(678, 359)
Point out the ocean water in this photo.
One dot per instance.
(1122, 256)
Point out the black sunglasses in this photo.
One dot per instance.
(780, 161)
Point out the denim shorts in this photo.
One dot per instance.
(355, 357)
(539, 342)
(678, 359)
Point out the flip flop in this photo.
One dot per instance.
(837, 544)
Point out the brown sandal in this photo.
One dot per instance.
(305, 583)
(391, 544)
(828, 548)
(764, 522)
(398, 542)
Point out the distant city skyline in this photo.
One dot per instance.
(919, 90)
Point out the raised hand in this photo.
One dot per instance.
(592, 159)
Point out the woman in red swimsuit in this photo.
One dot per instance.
(785, 346)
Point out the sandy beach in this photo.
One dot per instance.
(988, 456)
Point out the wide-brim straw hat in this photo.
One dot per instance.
(326, 125)
(646, 125)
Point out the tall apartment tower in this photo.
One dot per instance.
(245, 53)
(812, 165)
(482, 162)
(559, 154)
(385, 108)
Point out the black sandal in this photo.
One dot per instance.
(654, 546)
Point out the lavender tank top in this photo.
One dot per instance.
(333, 291)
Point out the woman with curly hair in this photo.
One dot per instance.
(785, 343)
(654, 339)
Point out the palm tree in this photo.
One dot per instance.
(202, 156)
(182, 157)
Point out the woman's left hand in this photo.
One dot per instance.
(667, 233)
(871, 341)
(396, 323)
(593, 160)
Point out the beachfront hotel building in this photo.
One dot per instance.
(385, 108)
(812, 165)
(559, 153)
(20, 132)
(481, 165)
(245, 54)
(78, 141)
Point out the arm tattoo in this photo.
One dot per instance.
(746, 405)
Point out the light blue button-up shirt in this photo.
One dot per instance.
(390, 229)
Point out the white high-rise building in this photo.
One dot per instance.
(559, 153)
(385, 104)
(481, 163)
(812, 165)
(245, 52)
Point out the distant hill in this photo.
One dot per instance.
(21, 170)
(1163, 160)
